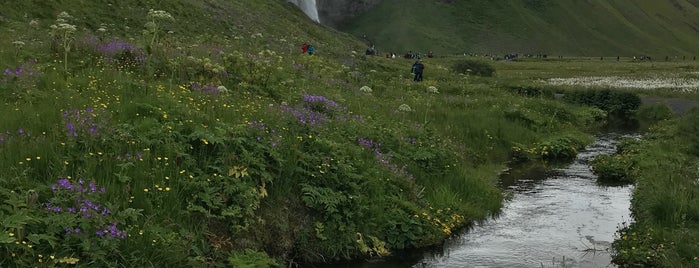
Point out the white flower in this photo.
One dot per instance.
(159, 14)
(222, 89)
(101, 29)
(404, 108)
(64, 27)
(34, 23)
(432, 89)
(365, 89)
(64, 16)
(18, 43)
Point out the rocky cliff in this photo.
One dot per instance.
(335, 12)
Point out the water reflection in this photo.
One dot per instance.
(558, 217)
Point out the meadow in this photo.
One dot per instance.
(153, 148)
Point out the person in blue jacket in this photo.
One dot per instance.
(418, 67)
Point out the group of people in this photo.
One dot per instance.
(416, 70)
(308, 48)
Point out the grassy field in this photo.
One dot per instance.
(197, 134)
(569, 28)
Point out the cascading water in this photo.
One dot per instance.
(309, 7)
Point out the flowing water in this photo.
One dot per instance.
(556, 217)
(309, 7)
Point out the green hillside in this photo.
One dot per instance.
(566, 27)
(149, 133)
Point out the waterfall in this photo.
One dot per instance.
(309, 7)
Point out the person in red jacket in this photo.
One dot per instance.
(304, 48)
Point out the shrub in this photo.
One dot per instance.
(654, 113)
(530, 91)
(473, 67)
(689, 128)
(615, 103)
(615, 168)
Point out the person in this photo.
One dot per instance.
(418, 67)
(304, 48)
(311, 50)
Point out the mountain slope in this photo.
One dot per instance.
(566, 27)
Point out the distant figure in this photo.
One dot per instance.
(311, 50)
(429, 54)
(304, 48)
(418, 67)
(617, 58)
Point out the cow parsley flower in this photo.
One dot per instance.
(404, 108)
(365, 89)
(159, 15)
(432, 89)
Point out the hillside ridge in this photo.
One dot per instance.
(572, 28)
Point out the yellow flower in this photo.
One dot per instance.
(145, 190)
(167, 189)
(11, 234)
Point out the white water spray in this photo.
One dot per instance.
(309, 7)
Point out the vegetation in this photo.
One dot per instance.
(474, 67)
(140, 140)
(615, 103)
(626, 28)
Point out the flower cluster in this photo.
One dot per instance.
(365, 89)
(432, 89)
(159, 15)
(317, 110)
(272, 136)
(83, 123)
(74, 198)
(9, 136)
(122, 53)
(26, 70)
(207, 89)
(404, 108)
(62, 27)
(384, 159)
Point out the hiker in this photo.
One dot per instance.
(418, 67)
(311, 50)
(304, 48)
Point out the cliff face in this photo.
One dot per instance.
(334, 12)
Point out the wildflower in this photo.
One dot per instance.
(18, 43)
(34, 23)
(222, 89)
(432, 89)
(365, 89)
(404, 108)
(159, 14)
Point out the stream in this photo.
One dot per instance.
(555, 217)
